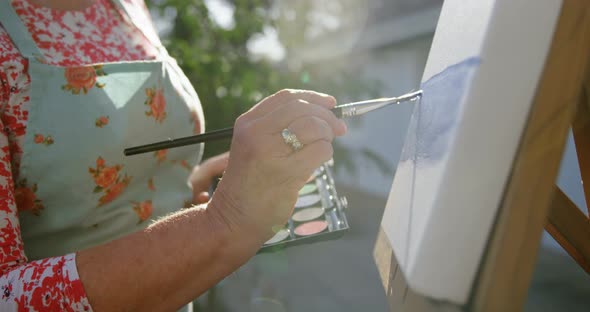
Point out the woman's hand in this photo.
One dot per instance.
(203, 174)
(264, 174)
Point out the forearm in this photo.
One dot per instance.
(165, 266)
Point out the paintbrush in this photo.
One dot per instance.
(341, 111)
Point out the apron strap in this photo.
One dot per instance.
(149, 31)
(20, 35)
(18, 32)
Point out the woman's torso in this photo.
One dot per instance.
(74, 108)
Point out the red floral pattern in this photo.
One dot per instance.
(46, 285)
(143, 210)
(98, 34)
(161, 155)
(183, 163)
(73, 39)
(83, 78)
(101, 121)
(108, 181)
(151, 185)
(26, 199)
(41, 139)
(157, 103)
(114, 191)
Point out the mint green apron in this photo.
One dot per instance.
(77, 187)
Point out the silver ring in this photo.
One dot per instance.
(291, 139)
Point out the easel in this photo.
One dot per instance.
(531, 200)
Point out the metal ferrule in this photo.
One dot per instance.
(360, 108)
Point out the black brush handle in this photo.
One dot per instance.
(195, 139)
(225, 133)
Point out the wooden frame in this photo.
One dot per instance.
(507, 266)
(570, 228)
(566, 222)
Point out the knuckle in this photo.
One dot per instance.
(238, 137)
(325, 150)
(241, 121)
(320, 123)
(310, 123)
(244, 134)
(298, 103)
(327, 132)
(285, 93)
(322, 127)
(293, 105)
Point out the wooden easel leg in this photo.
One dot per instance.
(570, 228)
(581, 130)
(566, 222)
(508, 264)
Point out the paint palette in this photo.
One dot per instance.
(319, 214)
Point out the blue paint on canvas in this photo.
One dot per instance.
(436, 116)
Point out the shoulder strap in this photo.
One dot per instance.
(18, 32)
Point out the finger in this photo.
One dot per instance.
(281, 117)
(309, 129)
(216, 165)
(202, 198)
(275, 146)
(311, 156)
(288, 95)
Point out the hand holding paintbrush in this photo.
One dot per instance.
(341, 111)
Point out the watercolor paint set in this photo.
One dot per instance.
(319, 213)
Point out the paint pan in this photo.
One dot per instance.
(280, 236)
(307, 200)
(308, 214)
(308, 189)
(311, 228)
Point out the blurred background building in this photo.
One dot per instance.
(237, 51)
(386, 47)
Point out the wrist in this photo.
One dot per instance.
(238, 237)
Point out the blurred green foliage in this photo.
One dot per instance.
(228, 79)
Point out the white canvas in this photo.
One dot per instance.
(479, 82)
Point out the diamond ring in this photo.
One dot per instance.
(291, 139)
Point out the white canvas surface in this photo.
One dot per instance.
(479, 82)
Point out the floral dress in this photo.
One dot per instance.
(76, 88)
